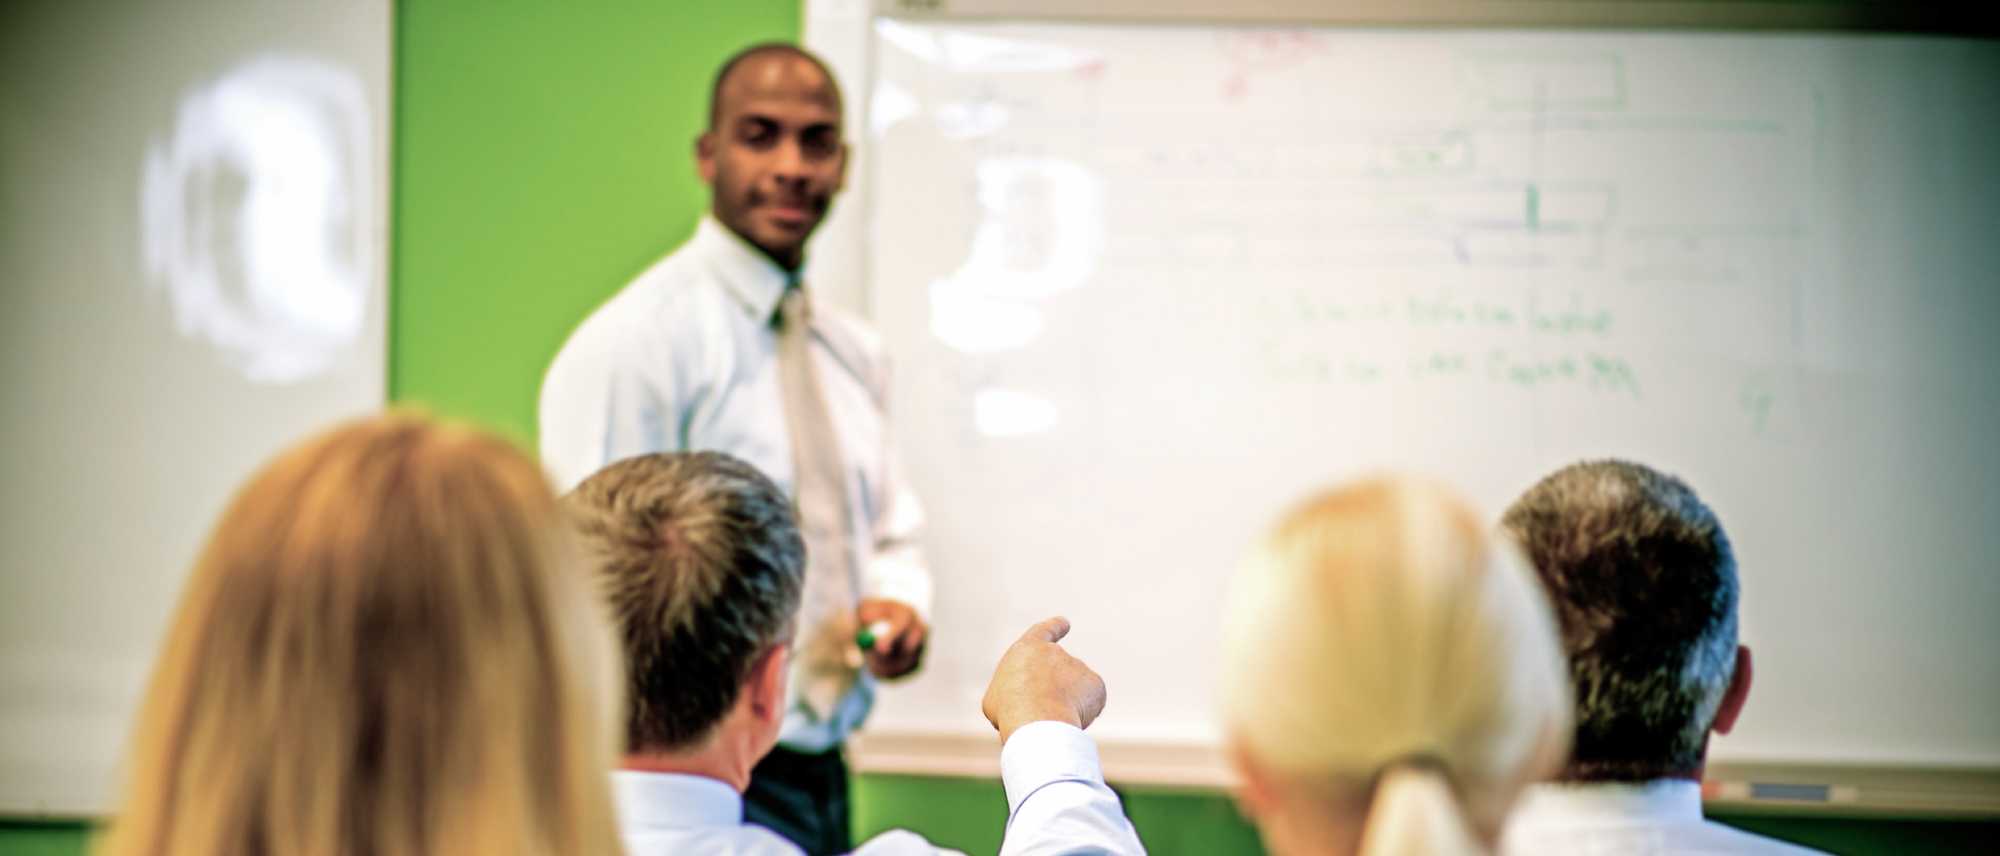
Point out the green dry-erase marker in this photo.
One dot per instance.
(866, 637)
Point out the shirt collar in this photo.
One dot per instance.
(648, 800)
(1661, 799)
(756, 281)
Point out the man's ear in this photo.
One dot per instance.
(766, 689)
(840, 181)
(1552, 749)
(704, 156)
(1734, 697)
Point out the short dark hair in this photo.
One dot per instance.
(1644, 586)
(701, 561)
(760, 49)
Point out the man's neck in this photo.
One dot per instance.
(790, 265)
(713, 760)
(1620, 773)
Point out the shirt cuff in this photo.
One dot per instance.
(901, 583)
(1042, 753)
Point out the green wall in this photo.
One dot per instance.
(34, 838)
(542, 157)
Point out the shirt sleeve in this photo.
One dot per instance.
(901, 842)
(1057, 801)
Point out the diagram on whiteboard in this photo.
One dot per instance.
(1386, 212)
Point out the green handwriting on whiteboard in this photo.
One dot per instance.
(1756, 400)
(1599, 372)
(1556, 318)
(1567, 319)
(1440, 311)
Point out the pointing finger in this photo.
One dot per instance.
(1050, 630)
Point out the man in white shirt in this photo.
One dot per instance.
(1643, 582)
(703, 567)
(716, 347)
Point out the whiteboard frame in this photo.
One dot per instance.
(1730, 787)
(1854, 15)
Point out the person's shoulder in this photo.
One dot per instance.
(753, 840)
(1555, 837)
(675, 290)
(1732, 840)
(668, 296)
(745, 840)
(1607, 817)
(901, 842)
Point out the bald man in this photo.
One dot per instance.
(719, 347)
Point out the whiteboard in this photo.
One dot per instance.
(193, 213)
(1147, 285)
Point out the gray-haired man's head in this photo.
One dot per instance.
(702, 564)
(1643, 582)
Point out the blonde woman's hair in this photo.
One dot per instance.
(1381, 650)
(384, 648)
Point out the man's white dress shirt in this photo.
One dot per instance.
(685, 359)
(1056, 799)
(1660, 817)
